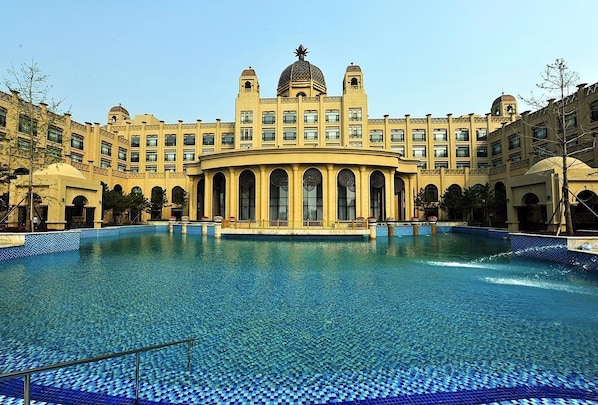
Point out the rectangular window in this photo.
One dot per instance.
(55, 134)
(310, 134)
(441, 151)
(268, 134)
(246, 134)
(54, 152)
(570, 121)
(75, 157)
(419, 151)
(2, 117)
(440, 135)
(134, 156)
(106, 148)
(135, 141)
(170, 156)
(418, 135)
(121, 168)
(397, 135)
(105, 163)
(289, 134)
(333, 116)
(496, 148)
(516, 157)
(333, 133)
(76, 141)
(540, 132)
(151, 140)
(310, 117)
(228, 139)
(355, 114)
(481, 134)
(514, 142)
(151, 156)
(482, 151)
(497, 162)
(246, 117)
(27, 125)
(399, 149)
(593, 113)
(268, 118)
(207, 139)
(169, 168)
(189, 139)
(151, 169)
(188, 155)
(438, 165)
(134, 169)
(376, 136)
(462, 151)
(289, 117)
(462, 134)
(24, 144)
(122, 154)
(170, 140)
(463, 165)
(354, 131)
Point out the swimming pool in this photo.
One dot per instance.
(421, 318)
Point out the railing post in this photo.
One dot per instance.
(137, 361)
(26, 386)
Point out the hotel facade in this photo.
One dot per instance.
(305, 158)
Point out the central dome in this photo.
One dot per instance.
(301, 78)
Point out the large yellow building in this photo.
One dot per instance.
(304, 158)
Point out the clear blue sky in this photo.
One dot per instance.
(182, 59)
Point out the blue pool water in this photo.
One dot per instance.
(303, 322)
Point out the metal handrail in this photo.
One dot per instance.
(27, 373)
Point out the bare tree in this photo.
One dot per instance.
(559, 81)
(34, 116)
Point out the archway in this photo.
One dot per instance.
(399, 194)
(178, 200)
(452, 202)
(313, 211)
(279, 197)
(157, 200)
(500, 205)
(377, 195)
(346, 195)
(584, 212)
(531, 215)
(219, 195)
(247, 195)
(77, 215)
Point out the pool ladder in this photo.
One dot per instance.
(26, 374)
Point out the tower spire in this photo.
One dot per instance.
(301, 52)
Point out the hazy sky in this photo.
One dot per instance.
(182, 59)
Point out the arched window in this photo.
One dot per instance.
(157, 200)
(247, 195)
(312, 197)
(218, 195)
(279, 196)
(346, 195)
(118, 187)
(377, 195)
(301, 94)
(136, 190)
(247, 85)
(354, 82)
(178, 199)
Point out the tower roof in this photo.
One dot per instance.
(301, 71)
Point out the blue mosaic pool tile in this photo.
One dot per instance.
(43, 243)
